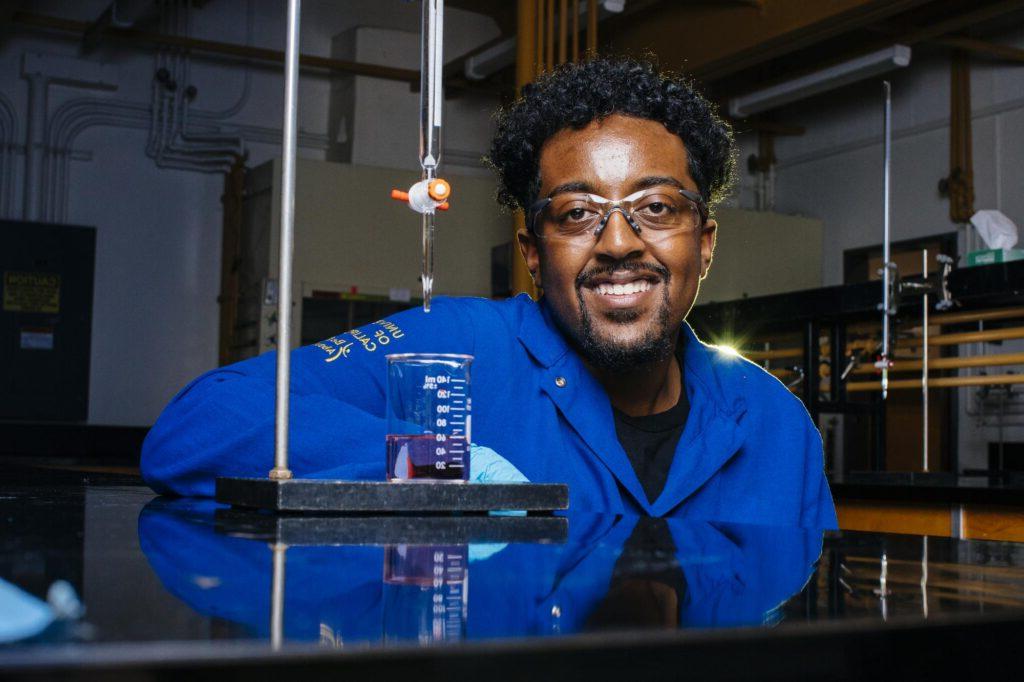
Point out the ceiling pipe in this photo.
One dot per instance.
(502, 55)
(134, 35)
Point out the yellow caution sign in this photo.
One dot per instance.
(31, 292)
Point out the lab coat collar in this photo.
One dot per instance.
(714, 429)
(712, 434)
(539, 333)
(577, 395)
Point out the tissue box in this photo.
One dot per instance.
(990, 256)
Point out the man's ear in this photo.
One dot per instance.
(708, 236)
(531, 253)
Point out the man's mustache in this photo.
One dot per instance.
(587, 276)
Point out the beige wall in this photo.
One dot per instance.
(760, 253)
(350, 233)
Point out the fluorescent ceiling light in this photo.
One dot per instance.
(491, 60)
(833, 77)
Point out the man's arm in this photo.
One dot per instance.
(819, 511)
(222, 424)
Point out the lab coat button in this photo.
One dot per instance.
(560, 382)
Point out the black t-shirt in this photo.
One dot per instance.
(650, 441)
(648, 585)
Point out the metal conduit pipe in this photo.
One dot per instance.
(4, 152)
(164, 79)
(72, 118)
(51, 160)
(8, 134)
(35, 132)
(176, 146)
(5, 138)
(192, 141)
(200, 162)
(69, 117)
(154, 99)
(162, 111)
(170, 153)
(125, 13)
(161, 101)
(227, 49)
(54, 151)
(198, 152)
(214, 153)
(59, 210)
(167, 59)
(243, 98)
(67, 123)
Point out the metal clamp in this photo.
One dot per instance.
(947, 301)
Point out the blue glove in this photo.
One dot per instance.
(21, 614)
(487, 466)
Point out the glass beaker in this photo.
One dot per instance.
(428, 410)
(425, 592)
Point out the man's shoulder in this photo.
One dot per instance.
(742, 381)
(481, 305)
(459, 319)
(459, 311)
(477, 310)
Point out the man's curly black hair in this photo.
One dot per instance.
(573, 95)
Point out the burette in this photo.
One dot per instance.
(431, 193)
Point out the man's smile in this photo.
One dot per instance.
(633, 286)
(618, 294)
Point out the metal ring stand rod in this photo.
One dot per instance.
(286, 255)
(883, 361)
(284, 304)
(277, 576)
(924, 366)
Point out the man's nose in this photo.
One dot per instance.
(618, 240)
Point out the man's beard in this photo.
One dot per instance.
(657, 343)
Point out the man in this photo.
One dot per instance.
(601, 384)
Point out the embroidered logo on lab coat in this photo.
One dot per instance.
(371, 337)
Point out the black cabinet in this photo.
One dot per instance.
(46, 290)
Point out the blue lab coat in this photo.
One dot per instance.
(749, 452)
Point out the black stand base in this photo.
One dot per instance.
(373, 497)
(394, 529)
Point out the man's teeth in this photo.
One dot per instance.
(608, 289)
